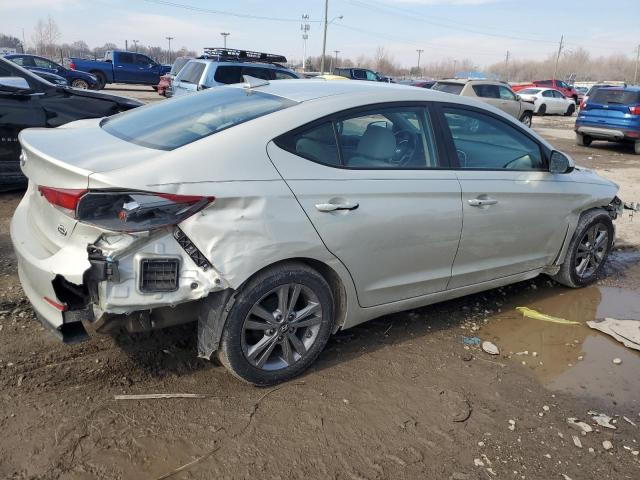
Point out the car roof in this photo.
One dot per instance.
(629, 88)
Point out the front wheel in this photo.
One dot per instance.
(102, 80)
(79, 83)
(588, 250)
(542, 109)
(279, 323)
(526, 118)
(570, 110)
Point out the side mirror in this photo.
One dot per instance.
(560, 163)
(14, 85)
(518, 97)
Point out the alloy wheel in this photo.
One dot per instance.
(281, 327)
(592, 250)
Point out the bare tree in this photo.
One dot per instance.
(45, 36)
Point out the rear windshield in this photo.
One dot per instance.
(604, 96)
(529, 91)
(191, 73)
(178, 65)
(454, 88)
(172, 124)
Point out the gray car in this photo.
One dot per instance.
(275, 214)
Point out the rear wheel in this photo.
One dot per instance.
(526, 118)
(570, 110)
(588, 250)
(583, 140)
(542, 109)
(279, 323)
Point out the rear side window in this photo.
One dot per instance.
(192, 73)
(454, 88)
(604, 96)
(126, 58)
(359, 74)
(282, 75)
(317, 143)
(486, 91)
(169, 125)
(483, 142)
(257, 72)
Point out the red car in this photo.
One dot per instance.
(164, 86)
(564, 88)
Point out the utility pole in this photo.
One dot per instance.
(555, 70)
(455, 62)
(135, 44)
(419, 50)
(24, 44)
(169, 38)
(506, 67)
(336, 52)
(304, 28)
(126, 45)
(324, 37)
(225, 35)
(635, 74)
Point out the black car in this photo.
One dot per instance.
(27, 100)
(38, 65)
(360, 74)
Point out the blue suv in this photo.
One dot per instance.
(611, 114)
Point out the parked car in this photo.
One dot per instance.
(226, 66)
(27, 100)
(355, 73)
(563, 87)
(498, 94)
(419, 83)
(164, 87)
(581, 91)
(548, 101)
(36, 64)
(122, 67)
(611, 114)
(594, 89)
(257, 211)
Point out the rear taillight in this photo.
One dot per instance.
(635, 110)
(65, 199)
(72, 66)
(137, 211)
(582, 104)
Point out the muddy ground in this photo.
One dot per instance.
(399, 397)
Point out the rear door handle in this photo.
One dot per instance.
(481, 202)
(332, 207)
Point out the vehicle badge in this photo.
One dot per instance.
(62, 230)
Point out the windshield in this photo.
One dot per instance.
(605, 96)
(172, 124)
(529, 91)
(178, 64)
(454, 88)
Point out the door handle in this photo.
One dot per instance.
(332, 207)
(481, 202)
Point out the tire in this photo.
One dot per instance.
(575, 100)
(570, 110)
(260, 349)
(11, 177)
(583, 140)
(102, 80)
(636, 147)
(588, 250)
(526, 118)
(81, 84)
(542, 109)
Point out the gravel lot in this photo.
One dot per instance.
(399, 397)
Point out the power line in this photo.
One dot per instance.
(223, 12)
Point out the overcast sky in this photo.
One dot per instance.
(482, 30)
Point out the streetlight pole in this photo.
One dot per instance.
(169, 56)
(635, 74)
(225, 35)
(555, 69)
(336, 52)
(304, 27)
(324, 37)
(419, 50)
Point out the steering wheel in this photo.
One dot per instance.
(406, 146)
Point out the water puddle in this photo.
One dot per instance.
(572, 358)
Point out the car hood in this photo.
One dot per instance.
(586, 175)
(125, 102)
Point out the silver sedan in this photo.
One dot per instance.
(275, 214)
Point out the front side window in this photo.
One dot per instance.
(359, 74)
(169, 125)
(486, 143)
(142, 60)
(453, 88)
(372, 76)
(44, 63)
(282, 75)
(506, 94)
